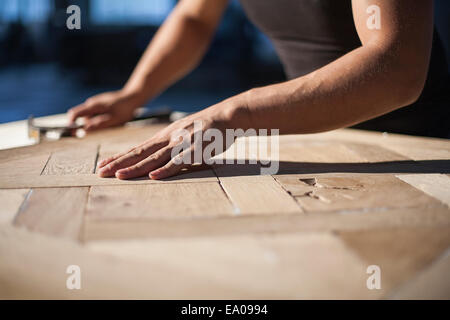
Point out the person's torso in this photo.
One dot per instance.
(307, 34)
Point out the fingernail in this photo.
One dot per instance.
(102, 172)
(154, 174)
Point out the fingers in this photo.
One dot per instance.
(104, 162)
(173, 167)
(83, 110)
(99, 122)
(136, 155)
(158, 165)
(142, 168)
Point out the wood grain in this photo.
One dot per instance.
(435, 216)
(11, 200)
(435, 185)
(400, 253)
(231, 232)
(374, 153)
(266, 266)
(258, 195)
(431, 284)
(72, 161)
(165, 201)
(86, 180)
(22, 165)
(318, 151)
(54, 211)
(350, 192)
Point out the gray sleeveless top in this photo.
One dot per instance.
(307, 34)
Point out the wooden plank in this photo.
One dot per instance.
(432, 284)
(317, 151)
(294, 155)
(347, 192)
(435, 216)
(422, 152)
(11, 200)
(374, 153)
(27, 164)
(416, 148)
(400, 253)
(74, 161)
(285, 266)
(258, 195)
(33, 266)
(83, 180)
(54, 211)
(164, 201)
(269, 267)
(435, 185)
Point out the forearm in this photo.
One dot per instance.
(175, 50)
(387, 72)
(361, 85)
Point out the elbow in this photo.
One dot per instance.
(408, 76)
(405, 72)
(410, 86)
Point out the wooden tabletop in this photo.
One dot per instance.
(341, 202)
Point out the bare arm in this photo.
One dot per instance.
(387, 72)
(177, 47)
(175, 50)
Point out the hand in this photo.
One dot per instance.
(105, 110)
(155, 157)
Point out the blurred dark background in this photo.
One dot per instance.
(46, 68)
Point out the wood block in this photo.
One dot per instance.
(258, 195)
(54, 211)
(10, 202)
(164, 201)
(346, 192)
(33, 266)
(433, 216)
(81, 160)
(416, 148)
(435, 185)
(270, 267)
(401, 252)
(287, 266)
(374, 153)
(422, 152)
(86, 180)
(318, 151)
(27, 164)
